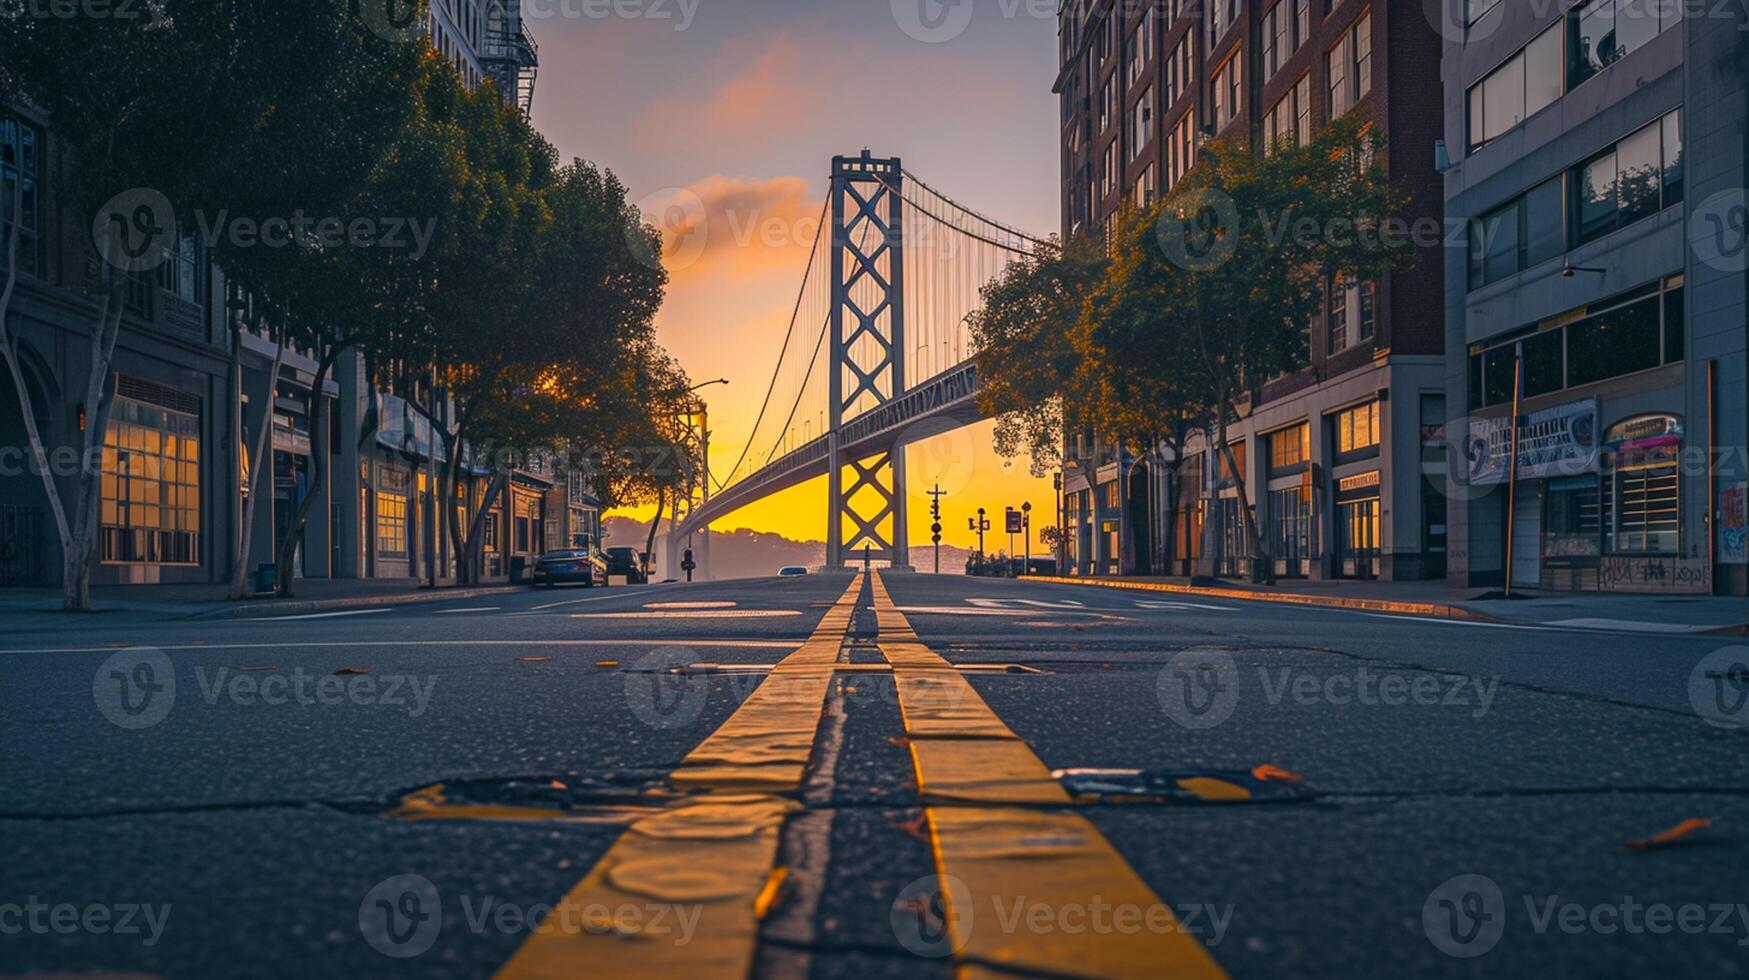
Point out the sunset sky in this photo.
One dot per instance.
(744, 103)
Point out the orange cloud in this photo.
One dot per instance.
(734, 226)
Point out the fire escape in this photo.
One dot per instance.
(510, 55)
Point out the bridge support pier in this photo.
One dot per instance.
(867, 358)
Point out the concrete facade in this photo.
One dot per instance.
(1685, 76)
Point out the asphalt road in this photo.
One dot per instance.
(229, 798)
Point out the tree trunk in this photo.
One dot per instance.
(316, 408)
(475, 552)
(260, 462)
(9, 349)
(1258, 552)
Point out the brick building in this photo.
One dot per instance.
(1344, 459)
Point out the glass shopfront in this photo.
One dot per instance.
(151, 506)
(1357, 526)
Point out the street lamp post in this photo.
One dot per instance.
(1026, 530)
(979, 524)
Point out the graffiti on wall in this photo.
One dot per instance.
(1628, 573)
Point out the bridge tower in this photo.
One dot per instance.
(867, 356)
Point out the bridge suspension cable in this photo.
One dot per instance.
(950, 253)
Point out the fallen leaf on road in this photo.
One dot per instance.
(344, 671)
(1267, 772)
(532, 660)
(251, 670)
(606, 663)
(914, 827)
(899, 741)
(768, 894)
(1671, 836)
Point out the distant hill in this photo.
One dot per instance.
(746, 553)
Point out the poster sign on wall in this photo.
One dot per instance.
(1558, 441)
(1734, 525)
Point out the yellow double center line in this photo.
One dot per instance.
(997, 858)
(995, 847)
(681, 892)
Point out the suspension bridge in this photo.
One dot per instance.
(877, 356)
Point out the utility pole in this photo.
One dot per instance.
(935, 526)
(1512, 463)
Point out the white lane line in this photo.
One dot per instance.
(476, 609)
(1461, 622)
(1183, 606)
(326, 615)
(1629, 626)
(356, 644)
(602, 598)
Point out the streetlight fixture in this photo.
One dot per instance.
(707, 384)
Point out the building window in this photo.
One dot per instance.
(1366, 309)
(1634, 179)
(1350, 66)
(1290, 119)
(1107, 104)
(1222, 15)
(1141, 128)
(20, 167)
(1229, 91)
(150, 494)
(1180, 150)
(1141, 48)
(1635, 331)
(392, 522)
(1180, 71)
(1602, 32)
(1108, 170)
(1526, 232)
(1290, 514)
(1524, 85)
(1336, 313)
(1357, 428)
(1146, 192)
(1289, 448)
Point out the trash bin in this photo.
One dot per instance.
(518, 569)
(266, 577)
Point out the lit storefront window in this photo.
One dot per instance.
(150, 501)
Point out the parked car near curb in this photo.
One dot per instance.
(628, 562)
(574, 566)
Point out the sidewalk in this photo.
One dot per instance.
(208, 601)
(1668, 614)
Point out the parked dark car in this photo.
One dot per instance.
(571, 566)
(628, 562)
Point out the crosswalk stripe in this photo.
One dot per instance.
(996, 856)
(711, 855)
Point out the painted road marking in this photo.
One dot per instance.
(1142, 604)
(1038, 603)
(325, 615)
(476, 609)
(694, 614)
(361, 643)
(603, 598)
(1007, 855)
(721, 604)
(714, 853)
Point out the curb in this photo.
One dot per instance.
(1429, 610)
(233, 610)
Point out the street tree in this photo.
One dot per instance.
(1211, 295)
(118, 92)
(1029, 376)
